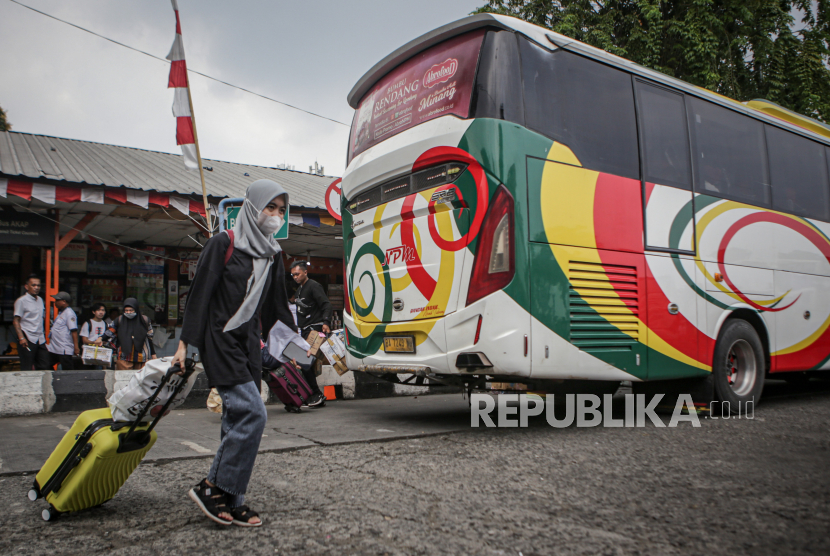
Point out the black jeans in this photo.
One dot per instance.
(34, 357)
(65, 361)
(308, 371)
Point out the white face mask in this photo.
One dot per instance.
(268, 224)
(130, 315)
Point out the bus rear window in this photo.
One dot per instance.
(434, 83)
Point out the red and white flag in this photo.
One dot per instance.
(181, 103)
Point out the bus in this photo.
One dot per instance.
(521, 207)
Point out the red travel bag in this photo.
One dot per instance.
(289, 386)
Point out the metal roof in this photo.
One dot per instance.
(86, 163)
(552, 41)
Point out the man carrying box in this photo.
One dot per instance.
(313, 314)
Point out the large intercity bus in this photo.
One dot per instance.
(522, 207)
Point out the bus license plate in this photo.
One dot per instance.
(399, 344)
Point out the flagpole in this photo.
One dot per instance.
(199, 159)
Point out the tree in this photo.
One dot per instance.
(4, 124)
(778, 50)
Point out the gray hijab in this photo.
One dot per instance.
(248, 238)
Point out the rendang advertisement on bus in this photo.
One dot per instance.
(437, 82)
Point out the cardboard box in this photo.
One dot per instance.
(315, 340)
(338, 346)
(328, 351)
(94, 355)
(340, 368)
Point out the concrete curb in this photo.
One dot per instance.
(33, 392)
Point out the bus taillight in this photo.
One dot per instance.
(495, 262)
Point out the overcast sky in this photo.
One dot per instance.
(60, 81)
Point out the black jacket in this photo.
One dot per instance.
(216, 293)
(313, 305)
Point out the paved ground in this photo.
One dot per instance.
(26, 442)
(757, 486)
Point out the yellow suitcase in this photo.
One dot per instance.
(96, 456)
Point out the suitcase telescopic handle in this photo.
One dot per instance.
(189, 366)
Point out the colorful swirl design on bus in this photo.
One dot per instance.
(791, 222)
(593, 197)
(684, 218)
(435, 290)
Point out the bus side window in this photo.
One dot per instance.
(498, 89)
(583, 104)
(729, 154)
(664, 136)
(798, 170)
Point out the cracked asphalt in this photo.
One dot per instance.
(758, 486)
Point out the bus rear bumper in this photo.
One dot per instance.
(419, 370)
(430, 350)
(447, 345)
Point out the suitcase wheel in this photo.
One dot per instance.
(292, 409)
(50, 514)
(33, 494)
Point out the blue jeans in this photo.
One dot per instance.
(243, 420)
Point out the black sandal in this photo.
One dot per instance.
(212, 501)
(242, 516)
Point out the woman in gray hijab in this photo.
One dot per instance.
(239, 287)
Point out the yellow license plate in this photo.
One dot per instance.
(399, 344)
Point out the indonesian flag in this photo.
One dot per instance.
(181, 104)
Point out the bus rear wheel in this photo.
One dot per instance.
(738, 366)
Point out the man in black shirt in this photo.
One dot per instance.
(313, 313)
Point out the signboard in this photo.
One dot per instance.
(333, 199)
(434, 83)
(282, 233)
(101, 263)
(72, 258)
(104, 290)
(149, 261)
(26, 228)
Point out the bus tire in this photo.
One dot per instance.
(738, 366)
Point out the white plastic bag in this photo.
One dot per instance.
(127, 403)
(279, 337)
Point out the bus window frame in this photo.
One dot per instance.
(489, 32)
(695, 158)
(531, 122)
(641, 149)
(826, 151)
(641, 133)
